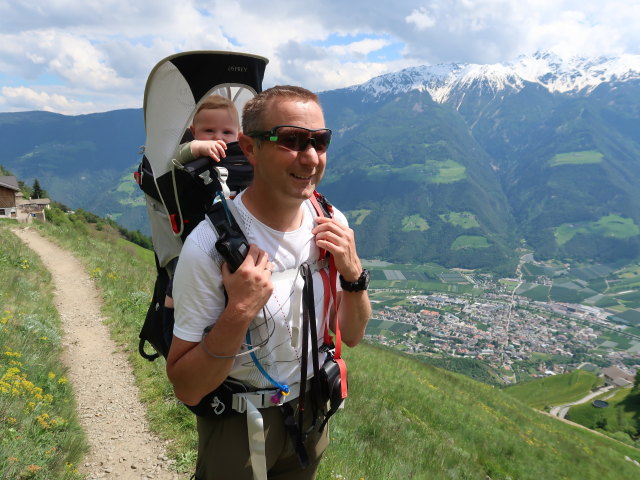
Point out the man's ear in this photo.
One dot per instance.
(248, 147)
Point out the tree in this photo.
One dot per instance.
(37, 191)
(635, 391)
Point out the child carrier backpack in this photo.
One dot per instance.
(177, 196)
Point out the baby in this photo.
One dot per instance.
(215, 124)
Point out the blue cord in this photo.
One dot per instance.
(283, 388)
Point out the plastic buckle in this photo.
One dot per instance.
(239, 403)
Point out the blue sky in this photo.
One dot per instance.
(75, 57)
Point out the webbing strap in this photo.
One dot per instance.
(223, 174)
(257, 447)
(329, 281)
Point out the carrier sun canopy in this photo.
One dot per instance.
(176, 86)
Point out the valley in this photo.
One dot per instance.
(551, 319)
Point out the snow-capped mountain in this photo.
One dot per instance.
(546, 69)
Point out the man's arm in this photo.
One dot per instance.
(355, 307)
(196, 368)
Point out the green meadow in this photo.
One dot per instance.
(608, 226)
(40, 434)
(460, 219)
(576, 158)
(414, 223)
(618, 419)
(358, 216)
(555, 389)
(431, 171)
(448, 171)
(469, 241)
(403, 419)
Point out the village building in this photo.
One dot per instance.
(616, 376)
(14, 205)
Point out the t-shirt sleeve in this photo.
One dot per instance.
(340, 217)
(198, 291)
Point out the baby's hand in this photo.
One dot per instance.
(209, 148)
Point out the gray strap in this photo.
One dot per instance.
(222, 174)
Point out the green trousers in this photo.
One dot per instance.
(223, 448)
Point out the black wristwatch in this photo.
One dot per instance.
(361, 284)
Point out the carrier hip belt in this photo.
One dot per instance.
(251, 402)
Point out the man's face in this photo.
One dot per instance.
(290, 174)
(215, 124)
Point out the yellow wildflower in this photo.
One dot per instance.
(62, 380)
(43, 420)
(51, 375)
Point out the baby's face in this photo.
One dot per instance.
(215, 124)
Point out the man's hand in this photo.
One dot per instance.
(339, 240)
(215, 149)
(249, 287)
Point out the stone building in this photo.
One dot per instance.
(14, 205)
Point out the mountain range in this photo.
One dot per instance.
(457, 164)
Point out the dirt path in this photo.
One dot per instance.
(562, 410)
(121, 445)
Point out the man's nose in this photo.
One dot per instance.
(309, 155)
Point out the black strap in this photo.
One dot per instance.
(308, 329)
(294, 433)
(304, 270)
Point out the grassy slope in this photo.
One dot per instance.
(40, 434)
(403, 419)
(556, 389)
(408, 420)
(620, 415)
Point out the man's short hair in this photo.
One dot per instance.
(215, 102)
(256, 108)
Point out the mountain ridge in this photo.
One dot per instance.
(461, 176)
(573, 75)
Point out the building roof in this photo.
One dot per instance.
(614, 372)
(622, 382)
(33, 201)
(9, 182)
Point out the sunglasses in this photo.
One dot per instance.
(296, 138)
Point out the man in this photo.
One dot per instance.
(285, 141)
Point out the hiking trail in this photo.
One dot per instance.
(121, 445)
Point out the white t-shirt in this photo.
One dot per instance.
(199, 294)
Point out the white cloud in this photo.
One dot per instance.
(22, 98)
(360, 48)
(421, 19)
(98, 53)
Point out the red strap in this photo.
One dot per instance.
(327, 297)
(174, 223)
(343, 377)
(137, 177)
(330, 281)
(333, 277)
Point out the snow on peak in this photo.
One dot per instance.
(544, 68)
